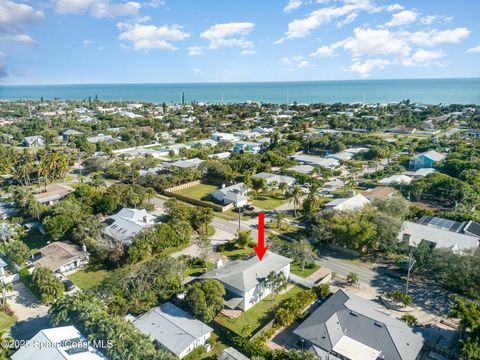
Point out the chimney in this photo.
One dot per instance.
(218, 263)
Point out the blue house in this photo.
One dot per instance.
(425, 160)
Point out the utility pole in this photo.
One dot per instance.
(411, 263)
(239, 218)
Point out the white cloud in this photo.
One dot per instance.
(195, 51)
(324, 51)
(365, 68)
(348, 20)
(402, 18)
(367, 41)
(430, 19)
(436, 37)
(474, 50)
(394, 7)
(229, 35)
(247, 52)
(13, 16)
(423, 58)
(150, 37)
(292, 5)
(295, 61)
(300, 28)
(97, 8)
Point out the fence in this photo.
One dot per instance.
(171, 192)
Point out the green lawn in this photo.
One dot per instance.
(231, 250)
(268, 202)
(89, 277)
(7, 321)
(257, 316)
(171, 250)
(297, 270)
(198, 191)
(197, 271)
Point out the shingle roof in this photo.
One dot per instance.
(244, 275)
(171, 327)
(57, 254)
(345, 314)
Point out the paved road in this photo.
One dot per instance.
(343, 267)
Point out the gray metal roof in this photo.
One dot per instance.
(171, 327)
(231, 354)
(244, 275)
(345, 314)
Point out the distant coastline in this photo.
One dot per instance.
(428, 91)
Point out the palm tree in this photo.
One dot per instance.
(4, 288)
(296, 198)
(24, 167)
(279, 217)
(54, 166)
(283, 188)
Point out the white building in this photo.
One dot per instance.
(173, 329)
(244, 280)
(356, 202)
(219, 136)
(234, 194)
(126, 224)
(396, 179)
(61, 343)
(274, 178)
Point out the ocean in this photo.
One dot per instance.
(427, 91)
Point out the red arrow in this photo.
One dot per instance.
(261, 249)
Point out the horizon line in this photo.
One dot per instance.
(238, 82)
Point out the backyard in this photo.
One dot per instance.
(257, 316)
(198, 191)
(87, 278)
(7, 321)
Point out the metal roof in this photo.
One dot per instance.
(231, 354)
(171, 327)
(345, 314)
(244, 275)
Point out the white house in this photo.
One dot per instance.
(356, 202)
(61, 257)
(274, 178)
(244, 280)
(396, 179)
(173, 329)
(316, 161)
(126, 224)
(32, 141)
(219, 136)
(101, 137)
(66, 343)
(236, 194)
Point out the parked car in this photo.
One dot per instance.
(249, 207)
(69, 285)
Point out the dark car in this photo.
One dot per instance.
(249, 207)
(69, 286)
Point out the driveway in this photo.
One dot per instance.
(31, 312)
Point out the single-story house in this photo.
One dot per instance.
(341, 156)
(53, 193)
(236, 194)
(205, 142)
(173, 329)
(247, 147)
(60, 343)
(396, 179)
(274, 178)
(32, 141)
(220, 156)
(353, 203)
(175, 148)
(67, 134)
(439, 237)
(302, 169)
(231, 353)
(313, 160)
(349, 327)
(244, 280)
(425, 160)
(101, 137)
(139, 152)
(186, 164)
(126, 224)
(420, 173)
(219, 136)
(61, 257)
(379, 192)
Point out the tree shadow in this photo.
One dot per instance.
(26, 329)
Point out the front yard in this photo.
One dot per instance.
(268, 202)
(257, 316)
(297, 270)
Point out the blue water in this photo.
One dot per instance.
(428, 91)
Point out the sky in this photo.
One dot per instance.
(175, 41)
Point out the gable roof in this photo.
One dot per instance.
(57, 254)
(171, 327)
(127, 223)
(432, 155)
(347, 315)
(244, 275)
(352, 203)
